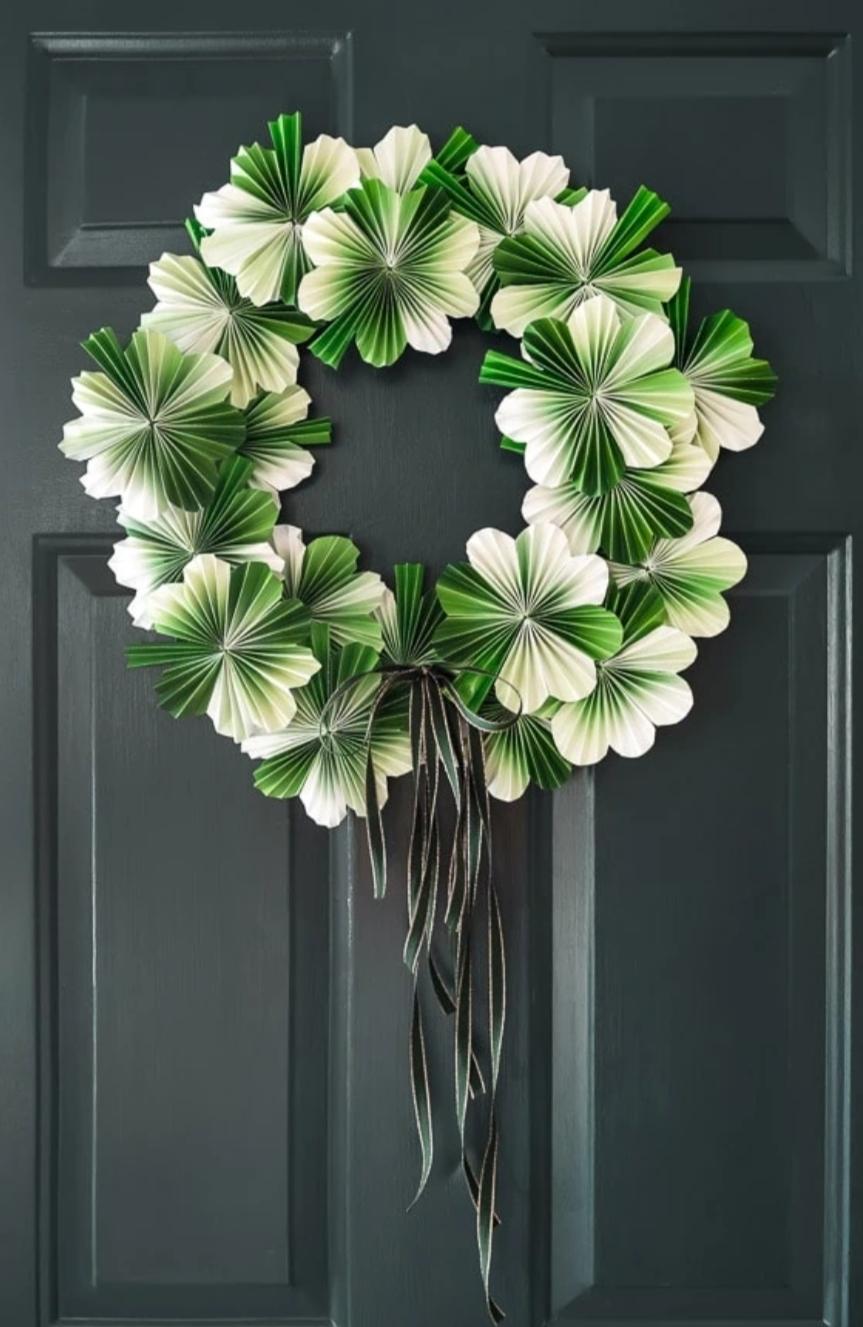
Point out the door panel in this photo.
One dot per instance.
(205, 1113)
(698, 1011)
(185, 951)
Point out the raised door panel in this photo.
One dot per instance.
(127, 131)
(698, 984)
(184, 978)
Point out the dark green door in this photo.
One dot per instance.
(204, 1105)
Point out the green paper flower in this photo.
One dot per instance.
(154, 425)
(277, 434)
(200, 309)
(257, 220)
(636, 691)
(409, 618)
(323, 576)
(691, 574)
(527, 610)
(325, 763)
(593, 396)
(568, 254)
(239, 649)
(236, 525)
(494, 191)
(625, 522)
(390, 272)
(727, 382)
(523, 753)
(398, 159)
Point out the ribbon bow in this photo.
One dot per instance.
(450, 792)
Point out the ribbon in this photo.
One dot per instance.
(453, 918)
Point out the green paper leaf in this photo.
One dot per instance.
(409, 618)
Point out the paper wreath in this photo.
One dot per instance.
(541, 651)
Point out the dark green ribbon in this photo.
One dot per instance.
(447, 904)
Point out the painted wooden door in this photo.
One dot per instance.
(204, 1105)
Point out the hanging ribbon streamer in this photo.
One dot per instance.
(454, 919)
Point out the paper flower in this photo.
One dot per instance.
(153, 425)
(257, 220)
(322, 754)
(398, 159)
(390, 272)
(409, 618)
(237, 654)
(200, 309)
(494, 192)
(568, 254)
(277, 434)
(636, 691)
(593, 395)
(691, 574)
(529, 610)
(523, 753)
(236, 525)
(625, 522)
(728, 383)
(323, 576)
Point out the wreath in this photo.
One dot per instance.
(540, 652)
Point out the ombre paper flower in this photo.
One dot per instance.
(494, 190)
(322, 755)
(201, 310)
(691, 574)
(728, 383)
(593, 395)
(154, 424)
(526, 610)
(239, 650)
(637, 690)
(236, 525)
(390, 273)
(322, 575)
(569, 254)
(257, 221)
